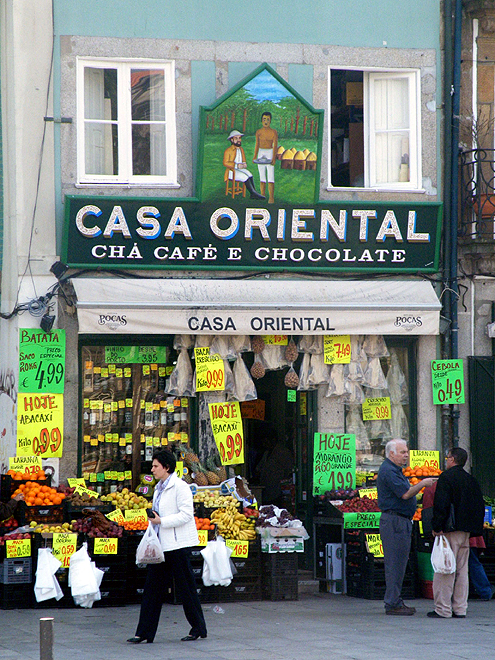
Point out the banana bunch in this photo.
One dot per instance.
(233, 525)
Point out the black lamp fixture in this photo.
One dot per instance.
(59, 269)
(47, 321)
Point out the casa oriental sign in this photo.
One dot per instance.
(186, 234)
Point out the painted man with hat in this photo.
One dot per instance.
(234, 160)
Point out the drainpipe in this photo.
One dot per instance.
(447, 149)
(454, 193)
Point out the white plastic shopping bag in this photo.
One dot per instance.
(442, 557)
(149, 551)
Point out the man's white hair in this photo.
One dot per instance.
(392, 446)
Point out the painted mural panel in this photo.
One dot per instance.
(260, 142)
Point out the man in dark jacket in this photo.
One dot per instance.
(457, 493)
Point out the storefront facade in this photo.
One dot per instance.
(166, 249)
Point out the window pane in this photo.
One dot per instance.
(100, 93)
(147, 95)
(392, 157)
(101, 148)
(391, 104)
(149, 149)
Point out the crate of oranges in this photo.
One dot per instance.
(12, 480)
(42, 503)
(415, 474)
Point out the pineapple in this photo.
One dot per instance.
(222, 473)
(200, 477)
(216, 466)
(211, 473)
(190, 459)
(187, 477)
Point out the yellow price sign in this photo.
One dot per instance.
(83, 490)
(210, 371)
(40, 425)
(203, 536)
(275, 340)
(30, 464)
(116, 517)
(64, 546)
(179, 469)
(420, 457)
(371, 493)
(73, 483)
(377, 408)
(106, 546)
(337, 349)
(374, 544)
(226, 423)
(136, 514)
(18, 548)
(239, 548)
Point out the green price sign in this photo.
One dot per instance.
(135, 354)
(447, 379)
(334, 463)
(291, 395)
(367, 520)
(41, 361)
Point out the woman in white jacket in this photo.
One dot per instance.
(176, 529)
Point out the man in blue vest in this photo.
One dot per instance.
(397, 502)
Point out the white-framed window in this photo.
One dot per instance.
(126, 122)
(374, 129)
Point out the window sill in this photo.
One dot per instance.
(117, 184)
(402, 191)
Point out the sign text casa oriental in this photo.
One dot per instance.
(105, 232)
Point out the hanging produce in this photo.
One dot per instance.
(336, 382)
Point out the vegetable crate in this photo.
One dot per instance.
(15, 596)
(280, 564)
(280, 587)
(16, 571)
(241, 589)
(71, 511)
(41, 514)
(368, 579)
(8, 485)
(113, 593)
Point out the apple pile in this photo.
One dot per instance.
(13, 536)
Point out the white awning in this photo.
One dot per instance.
(261, 306)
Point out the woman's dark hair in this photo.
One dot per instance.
(166, 459)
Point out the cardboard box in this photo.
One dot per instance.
(283, 544)
(354, 93)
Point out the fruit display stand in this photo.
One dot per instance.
(113, 588)
(365, 572)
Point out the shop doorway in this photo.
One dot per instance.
(482, 420)
(279, 447)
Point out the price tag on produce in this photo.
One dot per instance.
(226, 423)
(377, 408)
(203, 537)
(420, 457)
(41, 360)
(64, 546)
(358, 520)
(374, 544)
(239, 548)
(116, 516)
(337, 349)
(106, 546)
(23, 464)
(73, 483)
(253, 409)
(18, 548)
(135, 355)
(40, 425)
(136, 514)
(275, 340)
(210, 372)
(334, 462)
(447, 379)
(179, 469)
(83, 490)
(372, 493)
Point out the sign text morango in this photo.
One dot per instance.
(108, 232)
